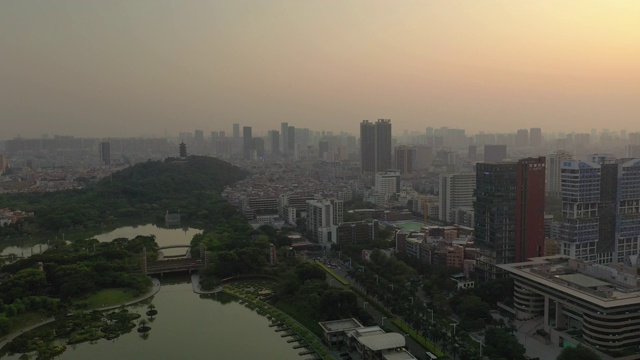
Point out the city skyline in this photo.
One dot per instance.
(112, 69)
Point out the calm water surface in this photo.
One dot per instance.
(164, 237)
(192, 327)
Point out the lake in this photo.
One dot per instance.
(164, 237)
(190, 326)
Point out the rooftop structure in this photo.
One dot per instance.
(580, 302)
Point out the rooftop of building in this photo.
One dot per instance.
(398, 355)
(605, 286)
(340, 325)
(377, 342)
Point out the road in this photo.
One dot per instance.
(380, 319)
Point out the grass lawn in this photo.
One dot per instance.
(106, 297)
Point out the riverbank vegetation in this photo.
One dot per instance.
(50, 340)
(82, 275)
(257, 295)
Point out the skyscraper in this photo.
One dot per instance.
(236, 142)
(535, 137)
(522, 138)
(375, 145)
(284, 134)
(601, 209)
(405, 157)
(554, 164)
(105, 152)
(274, 140)
(291, 141)
(367, 146)
(247, 142)
(323, 149)
(530, 208)
(495, 218)
(257, 145)
(383, 145)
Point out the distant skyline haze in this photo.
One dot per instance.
(138, 68)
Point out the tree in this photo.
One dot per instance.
(500, 344)
(310, 271)
(577, 353)
(474, 313)
(27, 282)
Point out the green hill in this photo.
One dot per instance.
(143, 192)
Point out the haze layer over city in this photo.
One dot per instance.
(122, 68)
(355, 180)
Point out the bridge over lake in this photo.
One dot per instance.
(180, 263)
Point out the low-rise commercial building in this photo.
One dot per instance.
(581, 302)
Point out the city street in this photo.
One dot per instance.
(380, 319)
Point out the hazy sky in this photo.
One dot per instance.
(123, 68)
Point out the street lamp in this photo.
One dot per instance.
(431, 311)
(391, 287)
(364, 305)
(411, 297)
(382, 320)
(479, 342)
(454, 329)
(376, 279)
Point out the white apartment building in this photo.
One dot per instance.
(387, 184)
(456, 191)
(554, 165)
(322, 216)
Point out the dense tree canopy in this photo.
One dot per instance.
(144, 191)
(500, 344)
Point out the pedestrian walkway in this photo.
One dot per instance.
(534, 345)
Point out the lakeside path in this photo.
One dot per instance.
(154, 290)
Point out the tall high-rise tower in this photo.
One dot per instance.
(601, 209)
(367, 146)
(554, 164)
(535, 137)
(495, 218)
(291, 141)
(236, 131)
(284, 135)
(375, 145)
(247, 142)
(530, 208)
(405, 157)
(274, 140)
(105, 152)
(456, 191)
